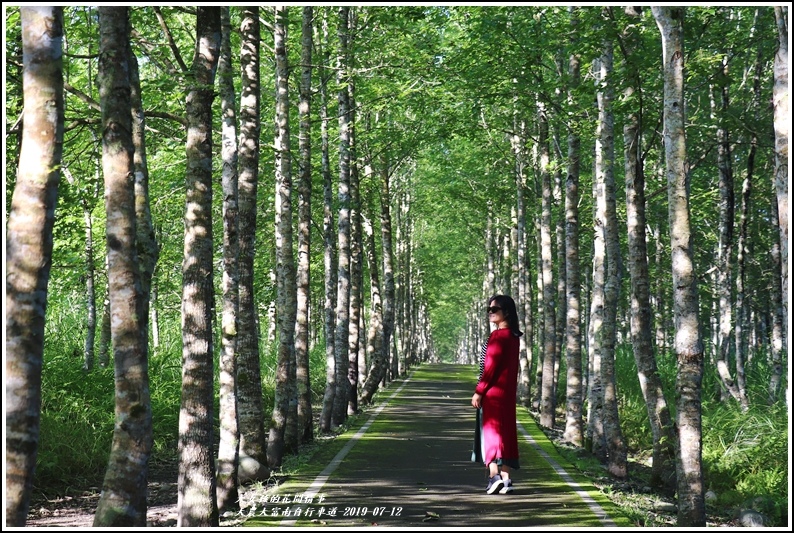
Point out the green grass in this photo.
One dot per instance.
(745, 454)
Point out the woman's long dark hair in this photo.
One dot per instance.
(509, 310)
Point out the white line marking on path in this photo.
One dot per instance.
(318, 483)
(591, 503)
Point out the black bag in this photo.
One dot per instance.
(477, 446)
(476, 450)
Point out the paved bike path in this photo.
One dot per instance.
(407, 463)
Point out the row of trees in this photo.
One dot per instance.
(452, 121)
(656, 112)
(245, 451)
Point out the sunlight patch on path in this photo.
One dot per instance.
(591, 503)
(318, 483)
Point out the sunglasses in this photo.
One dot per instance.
(494, 309)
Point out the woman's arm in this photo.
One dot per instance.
(493, 364)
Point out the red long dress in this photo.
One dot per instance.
(497, 386)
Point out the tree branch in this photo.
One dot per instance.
(93, 104)
(171, 41)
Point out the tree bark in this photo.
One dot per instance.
(597, 333)
(229, 444)
(659, 309)
(356, 251)
(742, 306)
(29, 245)
(559, 252)
(147, 247)
(399, 287)
(398, 282)
(389, 291)
(283, 437)
(343, 230)
(547, 398)
(688, 341)
(305, 422)
(662, 430)
(196, 499)
(777, 340)
(123, 499)
(90, 290)
(103, 357)
(91, 314)
(329, 245)
(538, 307)
(375, 354)
(253, 453)
(574, 394)
(517, 142)
(780, 100)
(724, 252)
(743, 353)
(91, 306)
(615, 444)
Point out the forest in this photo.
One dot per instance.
(228, 228)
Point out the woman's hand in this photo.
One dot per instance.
(476, 401)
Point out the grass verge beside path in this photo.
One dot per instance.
(538, 450)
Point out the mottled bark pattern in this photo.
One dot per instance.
(724, 252)
(339, 410)
(146, 245)
(547, 398)
(743, 323)
(388, 263)
(250, 409)
(123, 499)
(228, 447)
(29, 248)
(777, 340)
(329, 241)
(196, 503)
(574, 393)
(375, 354)
(356, 255)
(305, 422)
(780, 100)
(283, 426)
(662, 431)
(597, 329)
(616, 446)
(518, 142)
(688, 342)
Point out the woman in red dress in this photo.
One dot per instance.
(496, 395)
